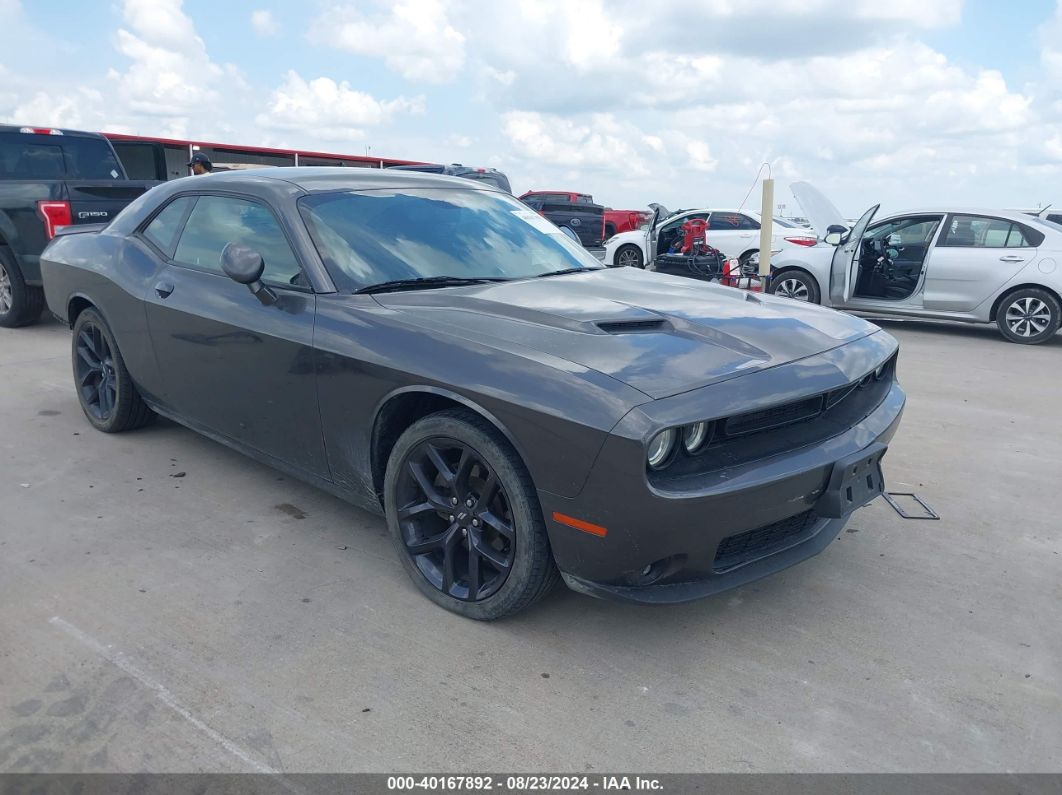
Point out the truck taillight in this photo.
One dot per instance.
(801, 241)
(40, 131)
(54, 215)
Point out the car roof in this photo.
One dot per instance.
(326, 178)
(1012, 215)
(16, 128)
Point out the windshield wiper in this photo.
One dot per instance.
(427, 283)
(564, 271)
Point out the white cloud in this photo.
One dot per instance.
(331, 110)
(415, 38)
(263, 23)
(170, 74)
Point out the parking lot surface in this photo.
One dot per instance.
(169, 605)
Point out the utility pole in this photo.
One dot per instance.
(766, 229)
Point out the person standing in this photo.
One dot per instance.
(200, 164)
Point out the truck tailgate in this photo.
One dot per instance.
(98, 201)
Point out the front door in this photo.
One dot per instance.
(846, 260)
(733, 233)
(895, 255)
(974, 256)
(231, 365)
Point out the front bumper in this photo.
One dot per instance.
(717, 531)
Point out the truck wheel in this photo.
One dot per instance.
(465, 519)
(1029, 316)
(105, 389)
(629, 256)
(20, 304)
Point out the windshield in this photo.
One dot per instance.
(374, 236)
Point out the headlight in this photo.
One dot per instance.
(694, 436)
(660, 449)
(879, 372)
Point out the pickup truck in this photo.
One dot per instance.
(50, 178)
(617, 221)
(575, 212)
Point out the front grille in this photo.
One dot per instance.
(752, 436)
(751, 545)
(774, 417)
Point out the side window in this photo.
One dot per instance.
(727, 222)
(748, 223)
(162, 231)
(972, 231)
(216, 221)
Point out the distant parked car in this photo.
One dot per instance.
(736, 233)
(491, 176)
(574, 211)
(977, 266)
(50, 178)
(617, 221)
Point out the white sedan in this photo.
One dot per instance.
(736, 233)
(977, 266)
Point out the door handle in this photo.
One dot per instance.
(1012, 258)
(163, 289)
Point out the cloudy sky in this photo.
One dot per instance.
(906, 102)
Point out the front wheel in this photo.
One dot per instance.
(105, 389)
(796, 285)
(464, 517)
(629, 256)
(1029, 316)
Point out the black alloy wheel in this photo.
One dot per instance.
(456, 520)
(97, 381)
(105, 389)
(464, 516)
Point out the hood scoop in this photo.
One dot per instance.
(633, 326)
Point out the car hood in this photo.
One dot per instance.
(659, 334)
(819, 210)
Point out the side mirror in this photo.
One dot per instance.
(245, 265)
(834, 233)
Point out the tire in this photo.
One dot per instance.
(105, 389)
(1028, 316)
(20, 304)
(629, 255)
(434, 529)
(794, 284)
(743, 260)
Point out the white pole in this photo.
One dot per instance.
(766, 227)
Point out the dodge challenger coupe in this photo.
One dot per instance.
(431, 349)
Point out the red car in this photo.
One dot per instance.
(617, 221)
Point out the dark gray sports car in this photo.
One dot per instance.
(428, 347)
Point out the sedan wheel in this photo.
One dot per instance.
(792, 288)
(1029, 316)
(464, 517)
(629, 257)
(795, 285)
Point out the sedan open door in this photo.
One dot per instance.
(846, 260)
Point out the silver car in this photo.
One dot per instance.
(977, 266)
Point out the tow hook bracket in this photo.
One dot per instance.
(890, 499)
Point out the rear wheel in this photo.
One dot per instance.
(464, 517)
(105, 389)
(629, 256)
(796, 285)
(1029, 316)
(20, 304)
